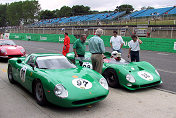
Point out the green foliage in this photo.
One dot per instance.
(23, 12)
(125, 7)
(14, 13)
(3, 15)
(149, 7)
(30, 11)
(80, 10)
(65, 11)
(46, 14)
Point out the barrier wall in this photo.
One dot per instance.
(154, 44)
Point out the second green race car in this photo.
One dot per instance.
(53, 78)
(131, 75)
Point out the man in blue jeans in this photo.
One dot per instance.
(134, 48)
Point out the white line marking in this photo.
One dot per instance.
(167, 71)
(162, 54)
(168, 91)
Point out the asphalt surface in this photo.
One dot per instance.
(165, 63)
(17, 102)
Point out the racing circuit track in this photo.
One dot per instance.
(158, 102)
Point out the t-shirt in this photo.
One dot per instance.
(116, 42)
(134, 45)
(79, 46)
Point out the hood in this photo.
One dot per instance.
(13, 50)
(77, 81)
(132, 67)
(142, 74)
(65, 76)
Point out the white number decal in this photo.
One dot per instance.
(82, 83)
(145, 75)
(23, 73)
(87, 65)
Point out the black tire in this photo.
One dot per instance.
(10, 74)
(111, 76)
(39, 93)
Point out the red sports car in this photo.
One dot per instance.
(9, 49)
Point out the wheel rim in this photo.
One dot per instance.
(110, 78)
(39, 91)
(10, 73)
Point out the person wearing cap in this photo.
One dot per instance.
(134, 48)
(97, 48)
(79, 47)
(66, 44)
(116, 55)
(116, 42)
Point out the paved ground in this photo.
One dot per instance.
(16, 102)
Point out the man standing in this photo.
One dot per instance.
(134, 48)
(79, 46)
(66, 44)
(96, 47)
(116, 42)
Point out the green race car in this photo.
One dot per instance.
(53, 78)
(131, 75)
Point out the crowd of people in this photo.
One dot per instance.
(97, 48)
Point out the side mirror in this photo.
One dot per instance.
(19, 61)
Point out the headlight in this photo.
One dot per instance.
(4, 51)
(60, 91)
(104, 83)
(157, 72)
(130, 78)
(22, 50)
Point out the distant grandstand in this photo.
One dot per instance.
(151, 13)
(79, 19)
(105, 18)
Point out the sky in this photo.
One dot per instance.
(100, 5)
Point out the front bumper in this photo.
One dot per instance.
(135, 87)
(76, 101)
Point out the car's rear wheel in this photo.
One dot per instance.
(39, 93)
(111, 77)
(10, 74)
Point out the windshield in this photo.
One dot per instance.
(113, 61)
(54, 62)
(7, 42)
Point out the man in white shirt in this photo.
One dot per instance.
(134, 48)
(116, 42)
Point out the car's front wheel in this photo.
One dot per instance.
(39, 93)
(111, 77)
(10, 74)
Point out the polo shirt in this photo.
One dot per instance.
(116, 42)
(134, 45)
(80, 47)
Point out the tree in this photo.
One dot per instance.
(125, 7)
(47, 14)
(147, 7)
(65, 11)
(14, 13)
(80, 10)
(3, 15)
(30, 11)
(23, 12)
